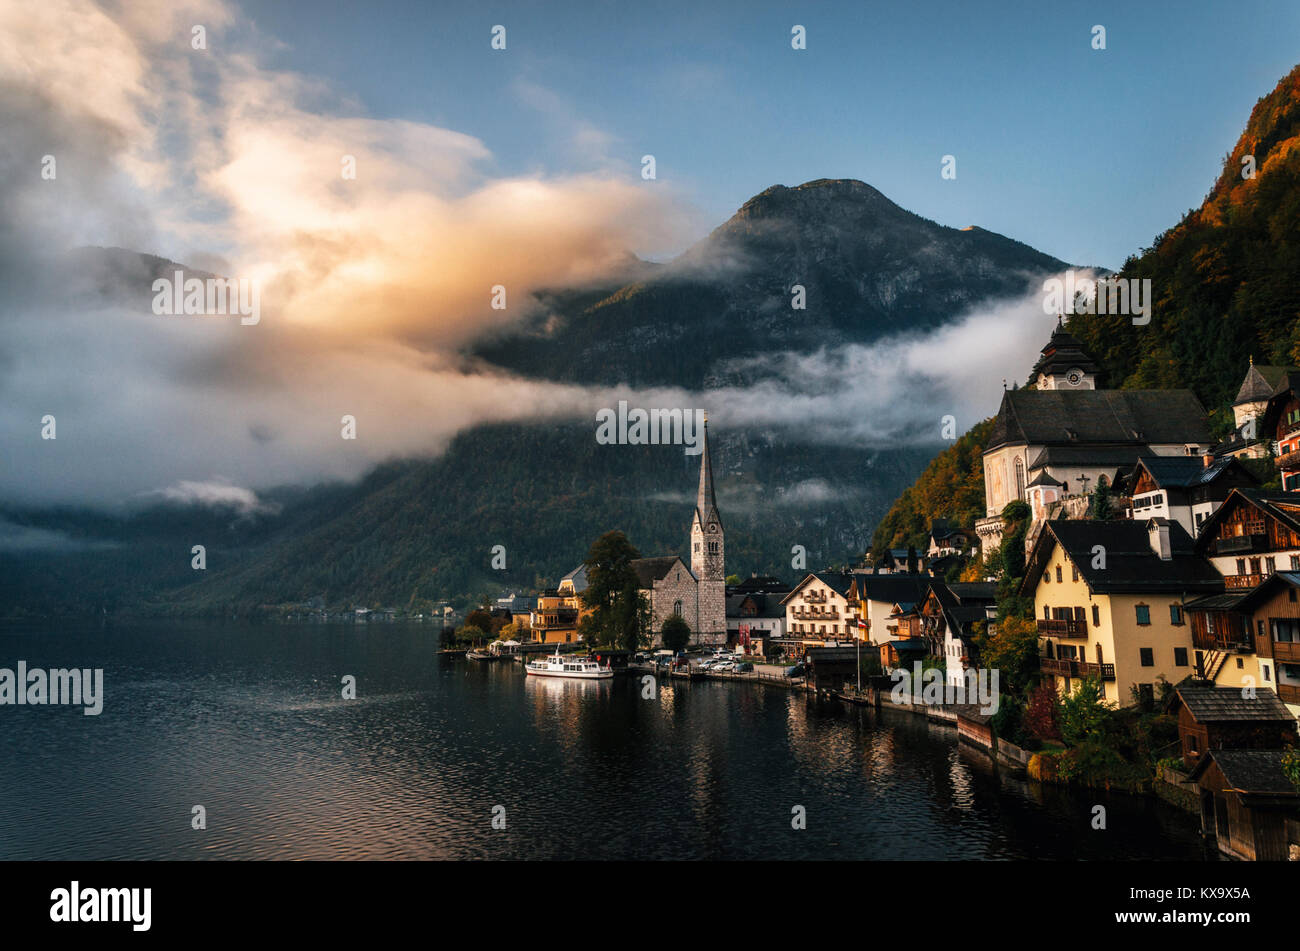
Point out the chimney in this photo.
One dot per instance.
(1207, 459)
(1158, 535)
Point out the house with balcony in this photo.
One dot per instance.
(1280, 421)
(948, 615)
(877, 595)
(1185, 489)
(1272, 613)
(1109, 602)
(1251, 535)
(819, 612)
(1223, 646)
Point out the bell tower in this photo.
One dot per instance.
(708, 555)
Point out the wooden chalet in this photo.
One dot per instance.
(1215, 718)
(1251, 535)
(1248, 804)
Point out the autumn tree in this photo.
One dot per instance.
(618, 608)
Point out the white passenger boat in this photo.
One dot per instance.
(558, 666)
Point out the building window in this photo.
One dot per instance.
(1180, 656)
(1058, 574)
(1148, 656)
(1096, 616)
(1270, 564)
(1241, 566)
(677, 608)
(1286, 630)
(1020, 478)
(1295, 562)
(1268, 674)
(1290, 594)
(1175, 614)
(1047, 613)
(1074, 572)
(1143, 614)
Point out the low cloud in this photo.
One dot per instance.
(217, 494)
(370, 285)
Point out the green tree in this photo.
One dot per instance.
(1011, 650)
(613, 594)
(1083, 714)
(676, 633)
(1101, 505)
(1015, 525)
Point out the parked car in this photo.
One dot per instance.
(744, 667)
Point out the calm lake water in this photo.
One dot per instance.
(249, 722)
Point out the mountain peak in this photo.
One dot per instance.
(815, 197)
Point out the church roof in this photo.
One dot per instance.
(706, 504)
(1260, 383)
(650, 570)
(1064, 351)
(1113, 417)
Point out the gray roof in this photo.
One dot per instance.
(767, 605)
(1064, 351)
(1131, 566)
(650, 570)
(579, 578)
(1185, 472)
(1114, 417)
(1250, 771)
(1259, 384)
(891, 588)
(1209, 704)
(1112, 457)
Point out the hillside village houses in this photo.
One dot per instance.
(1200, 573)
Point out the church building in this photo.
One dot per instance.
(698, 593)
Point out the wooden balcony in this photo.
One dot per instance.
(803, 614)
(1242, 581)
(1286, 652)
(1062, 627)
(1076, 668)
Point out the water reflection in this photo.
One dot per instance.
(250, 722)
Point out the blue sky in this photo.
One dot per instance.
(1084, 154)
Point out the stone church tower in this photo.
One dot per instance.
(707, 556)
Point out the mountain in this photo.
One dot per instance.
(1226, 288)
(1226, 278)
(869, 269)
(419, 530)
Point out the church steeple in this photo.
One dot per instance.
(1064, 363)
(707, 556)
(706, 505)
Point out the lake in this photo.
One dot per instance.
(249, 722)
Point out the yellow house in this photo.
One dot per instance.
(1108, 598)
(559, 611)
